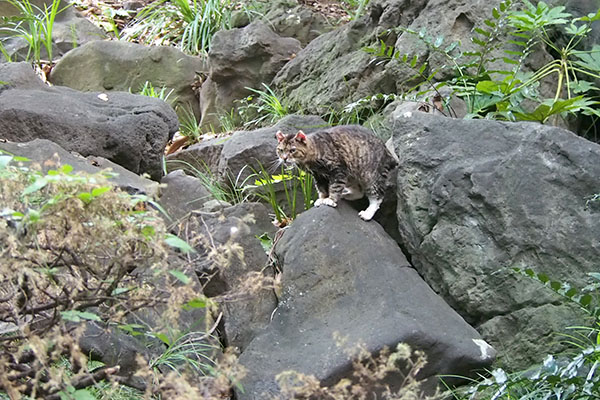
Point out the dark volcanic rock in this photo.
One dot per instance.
(477, 198)
(237, 256)
(127, 129)
(122, 66)
(239, 59)
(183, 194)
(345, 275)
(49, 155)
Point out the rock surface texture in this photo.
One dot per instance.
(48, 155)
(345, 275)
(120, 66)
(477, 198)
(334, 70)
(129, 130)
(228, 245)
(239, 59)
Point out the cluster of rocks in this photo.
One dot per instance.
(474, 198)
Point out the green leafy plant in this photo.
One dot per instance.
(294, 183)
(188, 124)
(234, 191)
(193, 349)
(150, 91)
(503, 93)
(189, 24)
(109, 23)
(35, 25)
(574, 377)
(355, 8)
(263, 108)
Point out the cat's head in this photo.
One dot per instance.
(292, 148)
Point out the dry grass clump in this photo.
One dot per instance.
(76, 250)
(389, 375)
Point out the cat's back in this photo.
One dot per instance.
(342, 134)
(353, 144)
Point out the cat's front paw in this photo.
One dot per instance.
(326, 202)
(366, 214)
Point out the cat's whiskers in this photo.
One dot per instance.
(275, 165)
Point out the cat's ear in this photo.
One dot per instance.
(280, 136)
(300, 136)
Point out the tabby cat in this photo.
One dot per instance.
(346, 161)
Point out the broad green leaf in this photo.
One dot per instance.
(38, 184)
(478, 42)
(180, 276)
(585, 300)
(77, 316)
(33, 215)
(547, 109)
(510, 61)
(83, 394)
(571, 292)
(66, 169)
(582, 86)
(148, 231)
(413, 62)
(195, 303)
(5, 160)
(482, 32)
(132, 329)
(589, 60)
(86, 197)
(266, 242)
(178, 243)
(164, 338)
(590, 17)
(99, 191)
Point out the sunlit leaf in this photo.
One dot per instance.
(178, 243)
(180, 276)
(78, 316)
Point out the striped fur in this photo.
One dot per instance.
(346, 161)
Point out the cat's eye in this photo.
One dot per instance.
(292, 150)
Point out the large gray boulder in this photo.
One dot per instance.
(232, 264)
(48, 155)
(19, 74)
(120, 66)
(200, 157)
(182, 194)
(334, 70)
(291, 18)
(129, 130)
(239, 59)
(477, 198)
(345, 275)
